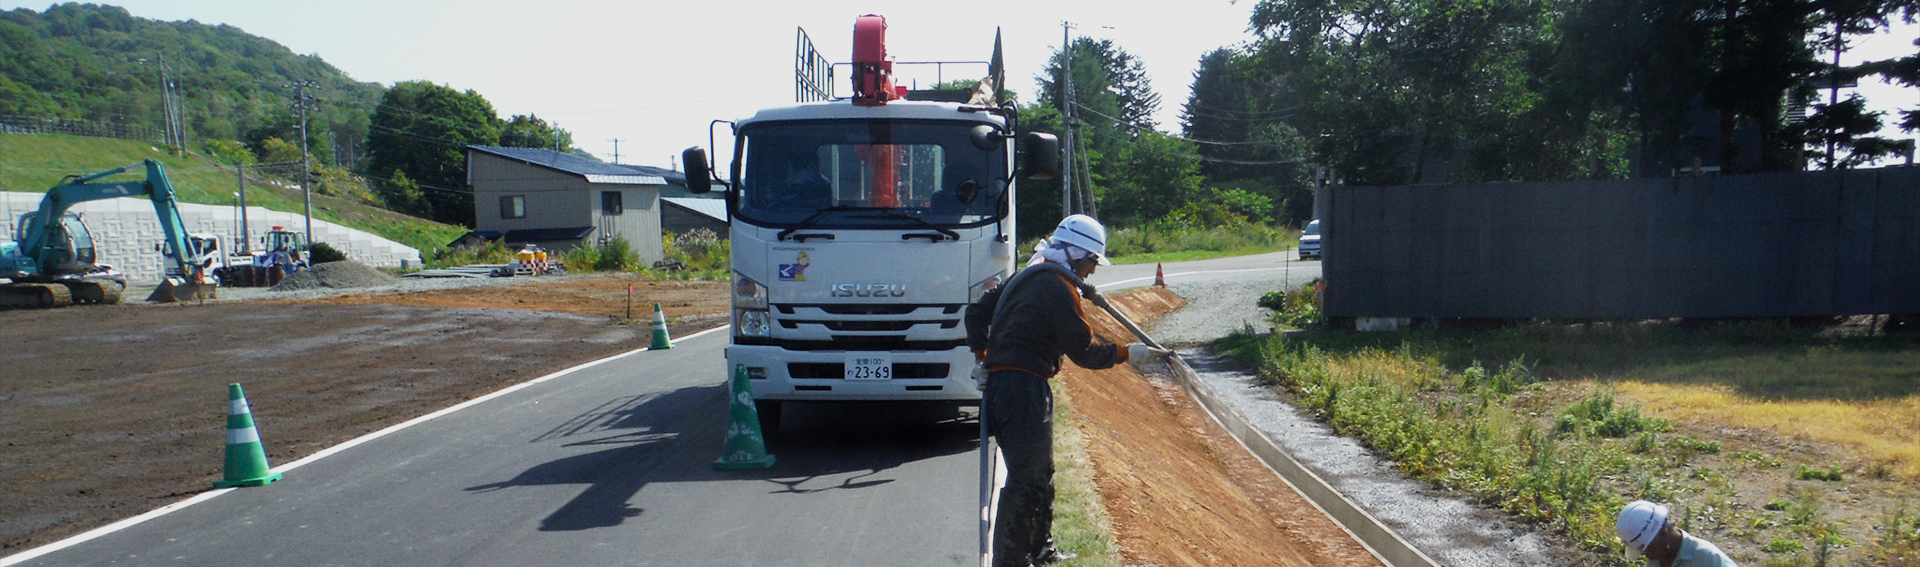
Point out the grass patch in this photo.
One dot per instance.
(1829, 474)
(1158, 244)
(33, 163)
(1297, 308)
(1568, 422)
(1079, 519)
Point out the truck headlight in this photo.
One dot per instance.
(750, 315)
(748, 294)
(751, 323)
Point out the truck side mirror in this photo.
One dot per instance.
(1043, 156)
(699, 176)
(985, 138)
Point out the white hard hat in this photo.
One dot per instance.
(1639, 523)
(1083, 231)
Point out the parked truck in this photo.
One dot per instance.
(51, 261)
(863, 226)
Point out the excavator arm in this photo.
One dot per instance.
(43, 236)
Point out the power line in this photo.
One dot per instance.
(1136, 128)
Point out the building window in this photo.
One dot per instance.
(610, 203)
(513, 207)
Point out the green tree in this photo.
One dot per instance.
(1244, 139)
(1905, 71)
(529, 131)
(422, 129)
(280, 153)
(1848, 128)
(1152, 175)
(1390, 90)
(100, 63)
(283, 125)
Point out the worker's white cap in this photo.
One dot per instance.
(1638, 524)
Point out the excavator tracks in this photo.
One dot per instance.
(97, 292)
(62, 294)
(34, 296)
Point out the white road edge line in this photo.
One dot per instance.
(37, 552)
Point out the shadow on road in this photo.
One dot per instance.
(674, 437)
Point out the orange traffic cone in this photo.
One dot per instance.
(1159, 275)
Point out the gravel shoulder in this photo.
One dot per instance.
(1446, 526)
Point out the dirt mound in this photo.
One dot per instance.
(335, 275)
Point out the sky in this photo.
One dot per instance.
(654, 75)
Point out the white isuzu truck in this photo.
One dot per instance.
(861, 229)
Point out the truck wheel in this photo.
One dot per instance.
(769, 411)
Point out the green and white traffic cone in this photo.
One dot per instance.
(746, 447)
(246, 458)
(660, 340)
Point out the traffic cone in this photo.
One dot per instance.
(1159, 275)
(746, 447)
(246, 458)
(660, 340)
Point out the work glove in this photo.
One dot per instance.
(980, 376)
(1140, 354)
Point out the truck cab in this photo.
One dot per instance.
(861, 229)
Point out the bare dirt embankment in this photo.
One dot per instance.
(111, 411)
(1178, 489)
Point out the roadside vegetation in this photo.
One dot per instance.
(1079, 518)
(1783, 446)
(1169, 242)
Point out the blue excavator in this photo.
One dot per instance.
(51, 261)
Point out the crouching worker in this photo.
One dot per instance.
(1648, 531)
(1019, 331)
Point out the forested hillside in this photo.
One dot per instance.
(233, 100)
(101, 63)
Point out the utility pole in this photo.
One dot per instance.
(1833, 86)
(171, 133)
(616, 151)
(302, 102)
(1066, 118)
(246, 234)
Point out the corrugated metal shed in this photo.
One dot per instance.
(715, 209)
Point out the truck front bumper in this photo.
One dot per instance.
(779, 374)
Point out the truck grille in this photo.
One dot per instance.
(835, 370)
(815, 320)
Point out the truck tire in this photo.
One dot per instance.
(769, 411)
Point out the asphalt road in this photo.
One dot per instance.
(609, 465)
(612, 465)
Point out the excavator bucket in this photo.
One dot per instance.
(180, 289)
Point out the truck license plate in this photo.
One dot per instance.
(869, 367)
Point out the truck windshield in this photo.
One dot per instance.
(835, 174)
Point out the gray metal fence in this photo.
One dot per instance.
(1776, 245)
(16, 124)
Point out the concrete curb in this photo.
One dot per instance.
(1386, 545)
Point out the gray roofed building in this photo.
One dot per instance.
(580, 165)
(683, 214)
(568, 200)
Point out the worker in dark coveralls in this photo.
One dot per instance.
(1019, 331)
